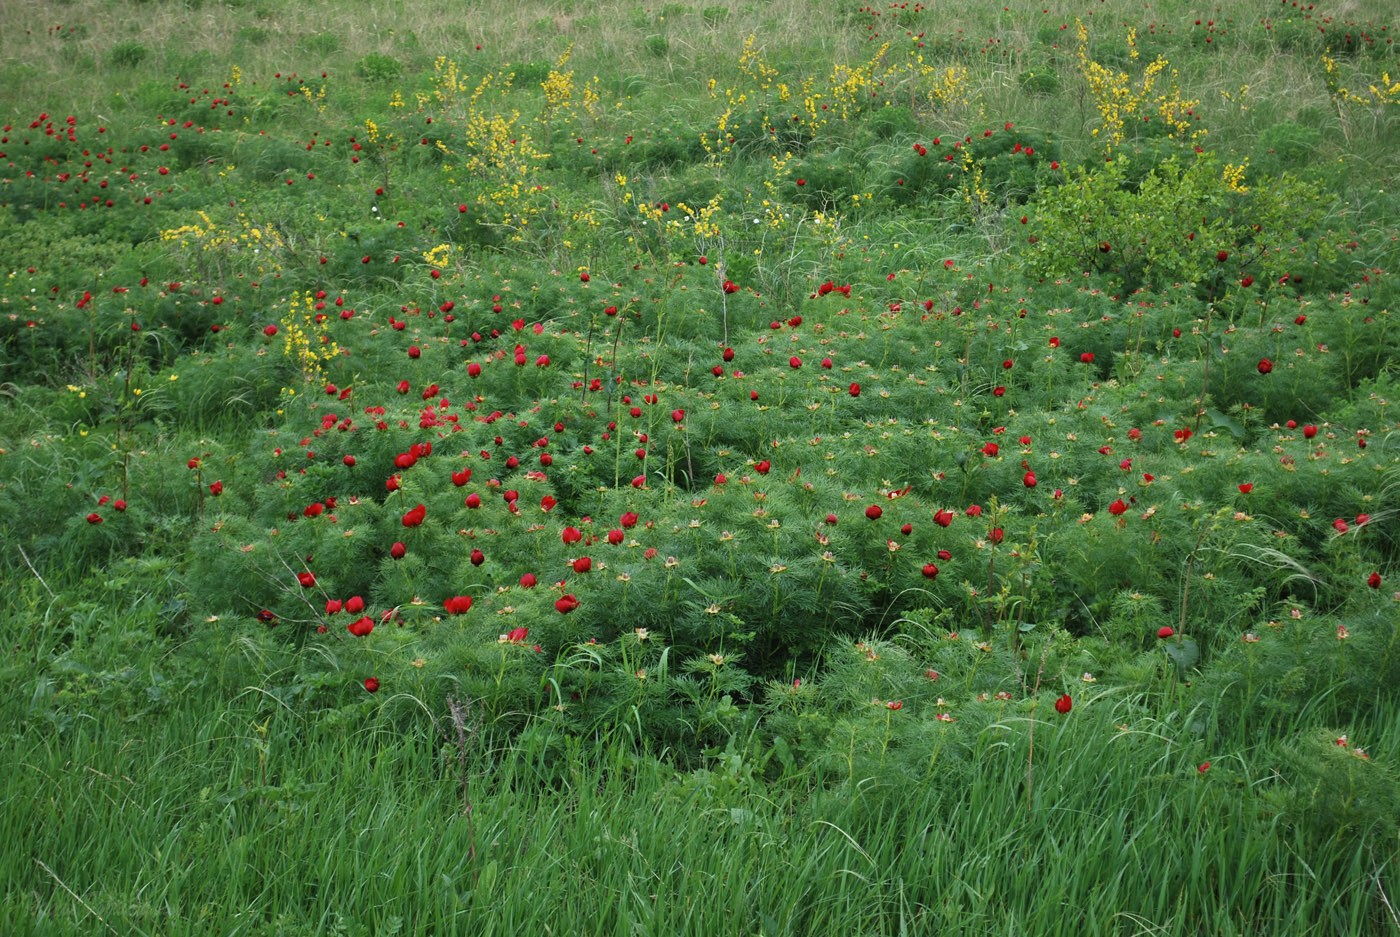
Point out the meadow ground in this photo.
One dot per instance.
(755, 468)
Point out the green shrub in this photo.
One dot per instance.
(378, 67)
(323, 44)
(128, 54)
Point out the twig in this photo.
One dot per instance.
(1186, 582)
(1030, 749)
(459, 724)
(587, 360)
(75, 896)
(25, 556)
(1385, 900)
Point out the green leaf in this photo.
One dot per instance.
(1223, 421)
(1183, 652)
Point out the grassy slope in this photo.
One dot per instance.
(164, 780)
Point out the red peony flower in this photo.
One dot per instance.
(571, 535)
(361, 626)
(354, 605)
(1265, 365)
(1118, 507)
(583, 564)
(414, 517)
(457, 604)
(874, 511)
(943, 517)
(1064, 704)
(306, 579)
(565, 604)
(372, 684)
(930, 571)
(1166, 631)
(1374, 580)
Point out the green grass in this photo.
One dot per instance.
(859, 441)
(235, 815)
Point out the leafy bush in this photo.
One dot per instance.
(378, 67)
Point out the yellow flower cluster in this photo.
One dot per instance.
(241, 246)
(850, 89)
(438, 256)
(306, 339)
(496, 151)
(558, 85)
(1386, 92)
(317, 97)
(1119, 99)
(1233, 176)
